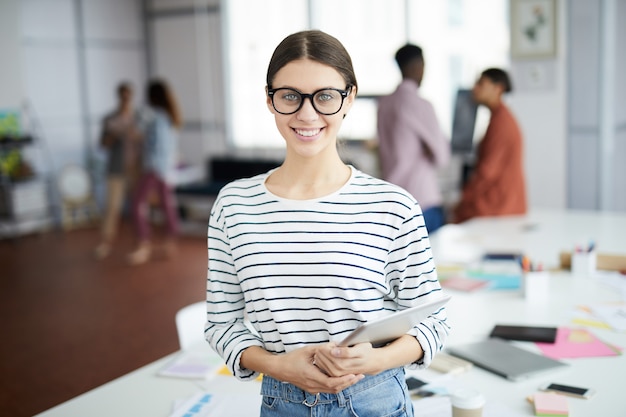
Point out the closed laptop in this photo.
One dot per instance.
(504, 359)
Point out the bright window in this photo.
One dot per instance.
(460, 38)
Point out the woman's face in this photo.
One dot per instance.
(306, 132)
(485, 90)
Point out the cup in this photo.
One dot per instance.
(467, 402)
(536, 286)
(584, 264)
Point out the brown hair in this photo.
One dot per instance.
(162, 97)
(499, 76)
(317, 46)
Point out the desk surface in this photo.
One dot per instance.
(142, 393)
(540, 235)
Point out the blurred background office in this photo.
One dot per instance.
(61, 59)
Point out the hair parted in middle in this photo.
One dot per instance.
(314, 45)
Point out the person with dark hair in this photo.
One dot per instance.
(120, 138)
(159, 170)
(412, 146)
(496, 186)
(313, 248)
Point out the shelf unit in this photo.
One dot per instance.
(24, 204)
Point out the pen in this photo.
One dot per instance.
(592, 245)
(525, 264)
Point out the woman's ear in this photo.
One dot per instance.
(347, 105)
(268, 101)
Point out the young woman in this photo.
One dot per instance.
(312, 249)
(160, 150)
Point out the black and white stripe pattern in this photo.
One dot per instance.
(306, 272)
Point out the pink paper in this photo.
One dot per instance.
(566, 347)
(547, 403)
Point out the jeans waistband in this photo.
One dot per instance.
(272, 387)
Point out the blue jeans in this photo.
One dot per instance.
(382, 395)
(434, 218)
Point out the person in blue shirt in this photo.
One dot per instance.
(160, 150)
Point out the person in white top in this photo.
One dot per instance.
(312, 249)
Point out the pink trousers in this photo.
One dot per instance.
(147, 183)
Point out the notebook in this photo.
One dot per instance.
(504, 359)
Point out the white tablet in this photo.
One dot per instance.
(385, 329)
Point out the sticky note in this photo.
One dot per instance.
(580, 336)
(550, 404)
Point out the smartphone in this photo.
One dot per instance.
(568, 390)
(414, 384)
(525, 333)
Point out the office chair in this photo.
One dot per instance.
(78, 205)
(190, 322)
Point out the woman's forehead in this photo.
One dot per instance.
(306, 74)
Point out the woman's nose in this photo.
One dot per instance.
(307, 111)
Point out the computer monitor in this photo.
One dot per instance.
(361, 122)
(464, 123)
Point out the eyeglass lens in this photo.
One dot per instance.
(288, 101)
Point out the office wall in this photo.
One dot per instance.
(185, 48)
(539, 102)
(596, 125)
(620, 111)
(11, 90)
(74, 53)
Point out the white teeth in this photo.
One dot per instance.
(307, 133)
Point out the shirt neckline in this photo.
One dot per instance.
(311, 200)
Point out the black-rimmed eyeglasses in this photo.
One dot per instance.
(327, 101)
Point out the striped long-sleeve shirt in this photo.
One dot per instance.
(310, 271)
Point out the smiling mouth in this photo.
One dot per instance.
(307, 132)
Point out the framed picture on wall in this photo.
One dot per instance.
(533, 28)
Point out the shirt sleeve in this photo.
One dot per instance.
(225, 329)
(412, 274)
(437, 147)
(415, 131)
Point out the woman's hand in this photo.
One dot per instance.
(341, 360)
(365, 359)
(298, 368)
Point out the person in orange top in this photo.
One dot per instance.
(496, 186)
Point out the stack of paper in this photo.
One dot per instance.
(461, 283)
(576, 343)
(550, 404)
(192, 365)
(204, 404)
(612, 314)
(445, 363)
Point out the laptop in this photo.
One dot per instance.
(505, 359)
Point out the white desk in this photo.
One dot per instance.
(541, 235)
(142, 393)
